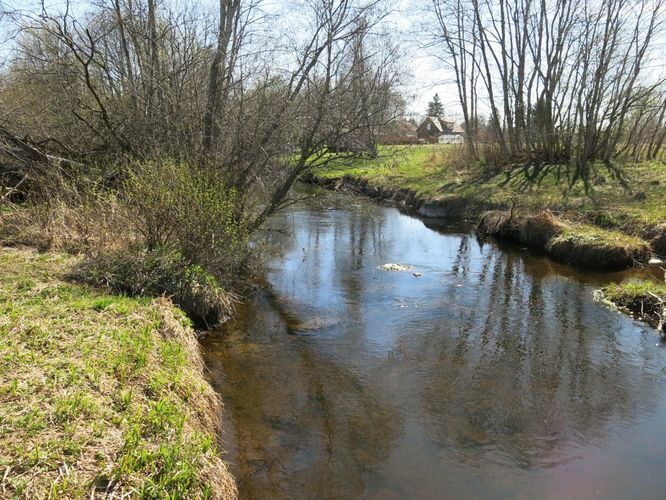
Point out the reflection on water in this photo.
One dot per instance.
(492, 374)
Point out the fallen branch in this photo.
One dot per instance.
(5, 197)
(33, 154)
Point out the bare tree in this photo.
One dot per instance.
(559, 77)
(229, 39)
(144, 78)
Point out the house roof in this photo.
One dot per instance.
(440, 123)
(435, 121)
(457, 128)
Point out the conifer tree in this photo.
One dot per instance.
(435, 107)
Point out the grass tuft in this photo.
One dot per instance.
(579, 244)
(159, 272)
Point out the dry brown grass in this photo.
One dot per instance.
(91, 226)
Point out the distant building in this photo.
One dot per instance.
(442, 130)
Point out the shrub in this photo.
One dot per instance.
(190, 209)
(166, 228)
(156, 272)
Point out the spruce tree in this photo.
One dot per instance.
(435, 107)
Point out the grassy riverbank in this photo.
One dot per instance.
(644, 300)
(630, 198)
(100, 393)
(622, 213)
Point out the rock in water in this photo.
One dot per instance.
(394, 267)
(315, 323)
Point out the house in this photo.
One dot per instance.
(455, 137)
(433, 127)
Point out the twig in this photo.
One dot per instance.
(4, 477)
(12, 189)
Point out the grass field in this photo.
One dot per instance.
(99, 394)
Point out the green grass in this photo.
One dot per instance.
(626, 292)
(414, 167)
(586, 233)
(99, 393)
(644, 300)
(630, 199)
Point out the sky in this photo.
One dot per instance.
(424, 74)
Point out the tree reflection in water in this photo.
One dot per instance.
(480, 377)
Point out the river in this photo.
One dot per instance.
(494, 374)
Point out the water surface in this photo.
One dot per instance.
(494, 374)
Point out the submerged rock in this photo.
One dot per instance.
(315, 323)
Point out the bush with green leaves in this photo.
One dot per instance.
(190, 209)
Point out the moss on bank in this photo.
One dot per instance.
(644, 300)
(100, 393)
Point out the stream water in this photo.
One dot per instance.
(493, 374)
